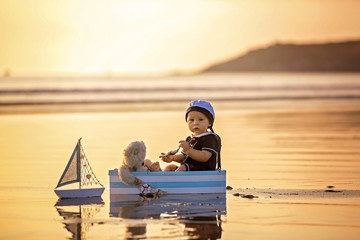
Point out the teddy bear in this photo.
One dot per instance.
(134, 161)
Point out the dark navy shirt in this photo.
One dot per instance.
(208, 141)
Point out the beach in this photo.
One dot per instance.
(293, 168)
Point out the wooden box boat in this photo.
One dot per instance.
(173, 182)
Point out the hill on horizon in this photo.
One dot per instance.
(341, 56)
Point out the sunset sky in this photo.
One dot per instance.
(127, 36)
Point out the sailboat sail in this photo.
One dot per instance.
(79, 170)
(88, 177)
(71, 173)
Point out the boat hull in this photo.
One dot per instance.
(79, 193)
(173, 182)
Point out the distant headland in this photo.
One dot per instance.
(341, 56)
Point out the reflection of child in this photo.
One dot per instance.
(201, 150)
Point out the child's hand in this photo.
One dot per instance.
(184, 145)
(167, 158)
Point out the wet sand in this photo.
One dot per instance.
(286, 158)
(294, 194)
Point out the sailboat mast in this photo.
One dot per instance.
(79, 161)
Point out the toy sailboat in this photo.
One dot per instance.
(78, 170)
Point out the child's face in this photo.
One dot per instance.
(198, 123)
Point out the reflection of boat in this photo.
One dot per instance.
(196, 204)
(173, 182)
(78, 170)
(199, 214)
(77, 214)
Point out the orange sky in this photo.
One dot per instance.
(77, 36)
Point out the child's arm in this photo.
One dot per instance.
(175, 158)
(198, 155)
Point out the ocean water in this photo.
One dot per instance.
(154, 93)
(283, 134)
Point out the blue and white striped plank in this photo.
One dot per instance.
(173, 182)
(169, 178)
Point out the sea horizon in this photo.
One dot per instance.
(52, 94)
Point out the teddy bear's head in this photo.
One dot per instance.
(134, 156)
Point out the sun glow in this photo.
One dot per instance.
(151, 36)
